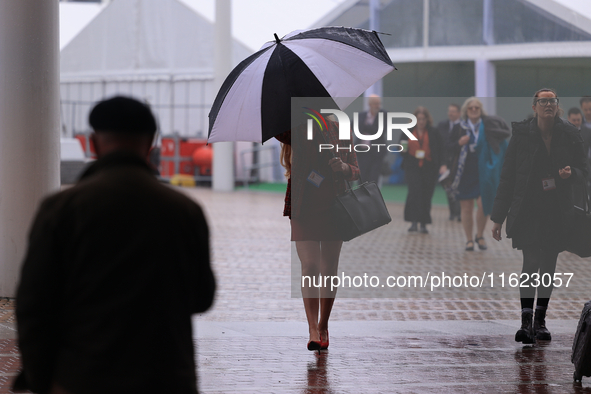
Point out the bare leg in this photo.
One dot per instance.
(330, 251)
(467, 207)
(310, 257)
(481, 219)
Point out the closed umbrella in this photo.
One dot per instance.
(254, 102)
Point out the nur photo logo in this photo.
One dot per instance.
(345, 129)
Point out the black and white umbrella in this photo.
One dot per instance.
(254, 102)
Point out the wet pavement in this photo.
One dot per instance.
(450, 340)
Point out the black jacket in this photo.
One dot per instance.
(372, 129)
(516, 186)
(115, 267)
(436, 146)
(443, 128)
(496, 131)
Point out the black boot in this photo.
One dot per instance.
(413, 227)
(540, 329)
(526, 333)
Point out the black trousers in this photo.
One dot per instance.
(370, 166)
(538, 269)
(454, 206)
(421, 185)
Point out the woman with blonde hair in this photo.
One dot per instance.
(478, 143)
(314, 180)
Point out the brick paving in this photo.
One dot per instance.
(456, 340)
(253, 265)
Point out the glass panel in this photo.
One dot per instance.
(403, 19)
(517, 21)
(455, 22)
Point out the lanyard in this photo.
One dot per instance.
(420, 139)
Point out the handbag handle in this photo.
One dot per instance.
(348, 185)
(586, 208)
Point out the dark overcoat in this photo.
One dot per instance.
(495, 131)
(422, 180)
(371, 162)
(115, 267)
(517, 186)
(437, 147)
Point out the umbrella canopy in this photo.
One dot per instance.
(254, 102)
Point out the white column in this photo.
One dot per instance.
(486, 84)
(488, 36)
(29, 123)
(223, 152)
(374, 24)
(425, 24)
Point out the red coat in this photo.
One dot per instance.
(293, 203)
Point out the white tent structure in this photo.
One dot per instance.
(158, 50)
(161, 51)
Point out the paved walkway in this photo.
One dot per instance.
(383, 340)
(452, 340)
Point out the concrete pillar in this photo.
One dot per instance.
(486, 84)
(223, 152)
(29, 123)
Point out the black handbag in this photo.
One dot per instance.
(358, 211)
(580, 237)
(451, 175)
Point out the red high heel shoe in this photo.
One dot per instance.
(314, 345)
(324, 345)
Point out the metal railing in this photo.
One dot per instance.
(254, 176)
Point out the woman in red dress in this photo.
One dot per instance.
(314, 179)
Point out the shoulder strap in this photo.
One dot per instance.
(335, 176)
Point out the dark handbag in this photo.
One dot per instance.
(453, 169)
(358, 211)
(580, 237)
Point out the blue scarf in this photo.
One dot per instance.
(489, 167)
(489, 170)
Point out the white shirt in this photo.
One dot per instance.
(475, 129)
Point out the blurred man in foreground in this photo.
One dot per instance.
(115, 267)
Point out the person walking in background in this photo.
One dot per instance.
(575, 116)
(479, 141)
(314, 179)
(103, 256)
(370, 162)
(444, 128)
(423, 161)
(545, 156)
(585, 103)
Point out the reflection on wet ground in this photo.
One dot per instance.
(254, 339)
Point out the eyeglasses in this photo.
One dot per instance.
(545, 101)
(473, 108)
